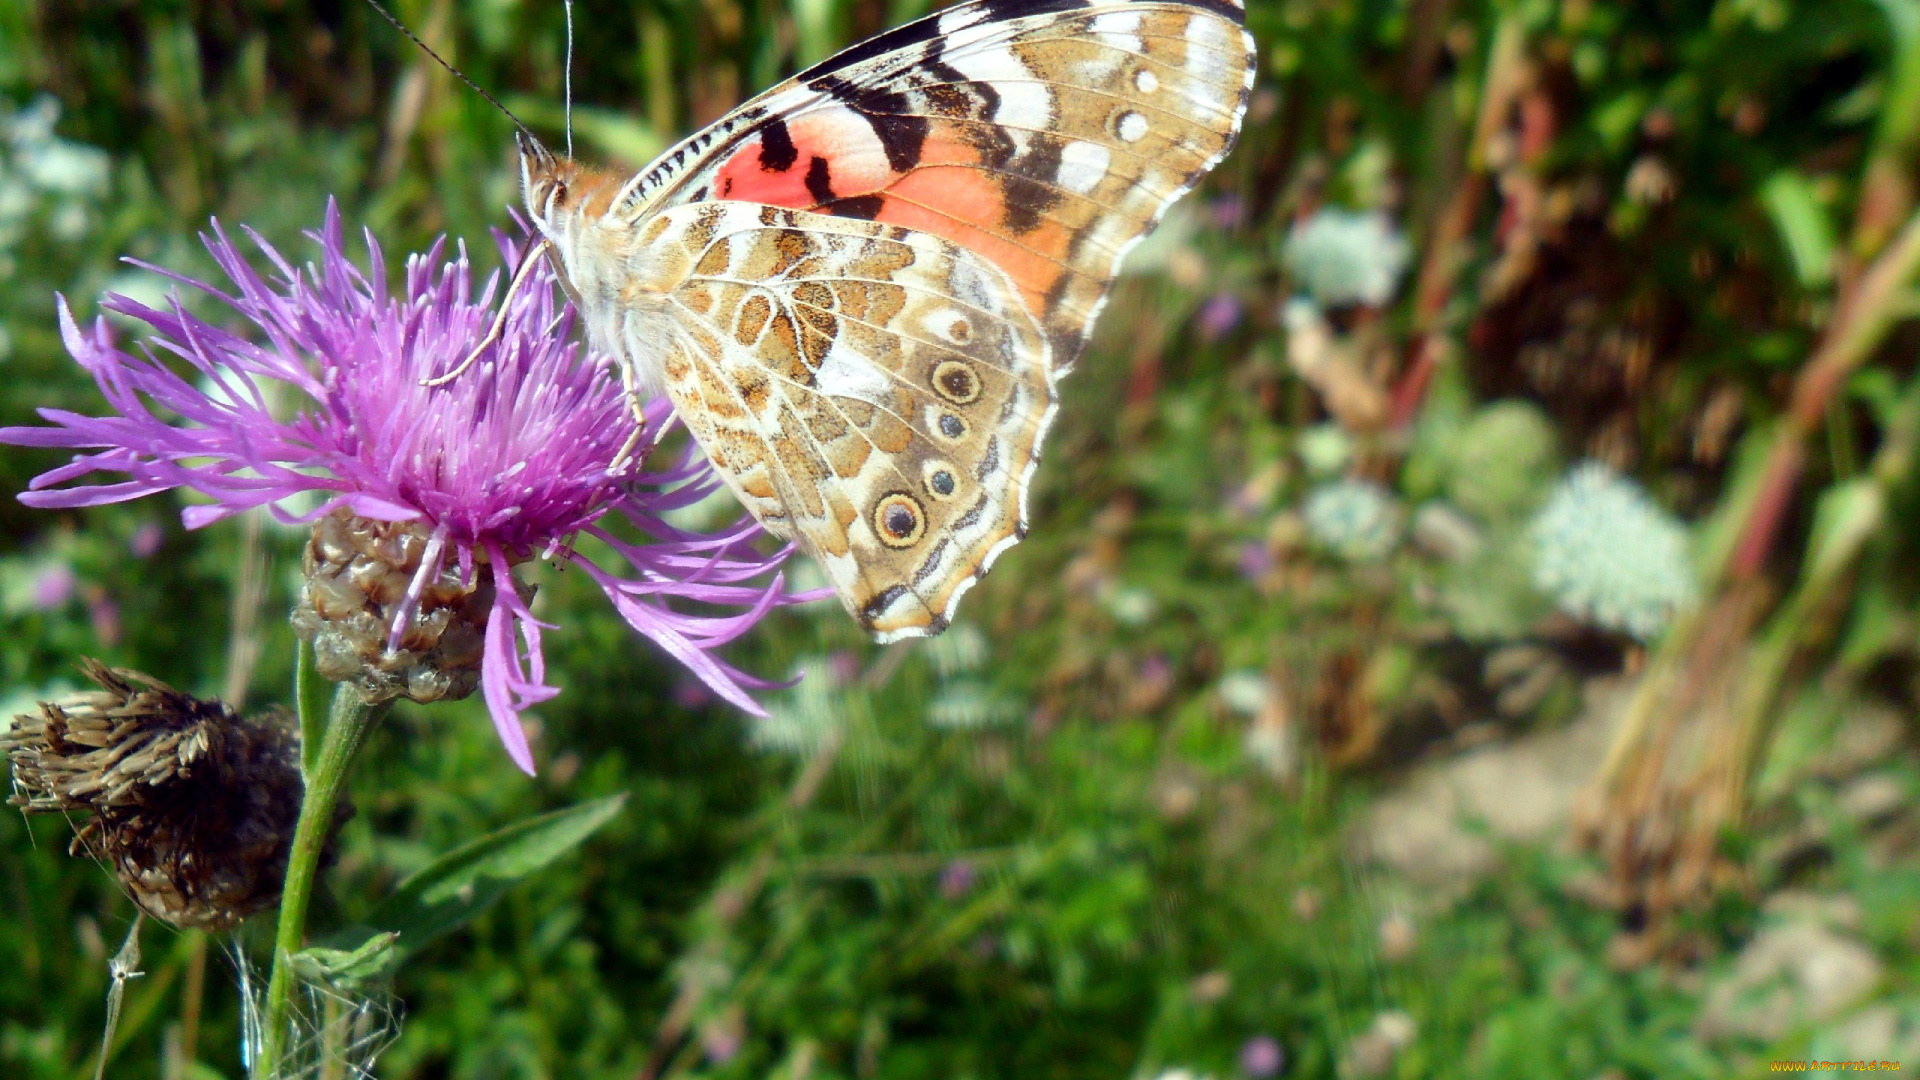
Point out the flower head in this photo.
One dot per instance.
(189, 806)
(1608, 555)
(1341, 257)
(1262, 1056)
(1357, 520)
(509, 461)
(1219, 316)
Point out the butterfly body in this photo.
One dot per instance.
(860, 289)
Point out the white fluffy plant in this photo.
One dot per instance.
(1608, 555)
(1356, 520)
(806, 716)
(1341, 257)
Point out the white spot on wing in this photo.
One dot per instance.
(972, 286)
(845, 373)
(1083, 165)
(1120, 29)
(951, 324)
(1025, 104)
(957, 20)
(1132, 126)
(1024, 101)
(1208, 57)
(1207, 32)
(1146, 81)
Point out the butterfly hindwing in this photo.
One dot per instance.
(876, 393)
(1046, 136)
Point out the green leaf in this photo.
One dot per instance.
(1846, 517)
(1878, 627)
(464, 882)
(372, 961)
(1803, 224)
(1721, 532)
(1618, 121)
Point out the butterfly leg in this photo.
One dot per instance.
(639, 420)
(499, 320)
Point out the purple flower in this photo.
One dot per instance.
(1229, 212)
(508, 461)
(104, 616)
(53, 587)
(956, 879)
(1219, 315)
(845, 667)
(146, 540)
(1262, 1057)
(1256, 560)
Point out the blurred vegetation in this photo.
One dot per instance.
(1290, 564)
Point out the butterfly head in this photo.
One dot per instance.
(556, 188)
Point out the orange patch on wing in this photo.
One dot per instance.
(855, 162)
(742, 178)
(949, 193)
(970, 207)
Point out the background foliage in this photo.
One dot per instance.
(1140, 812)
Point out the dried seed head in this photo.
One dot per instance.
(361, 578)
(190, 806)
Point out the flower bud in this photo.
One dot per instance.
(359, 574)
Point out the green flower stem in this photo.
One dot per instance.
(351, 717)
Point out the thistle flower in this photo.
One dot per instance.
(1341, 257)
(429, 496)
(1608, 555)
(191, 807)
(1354, 519)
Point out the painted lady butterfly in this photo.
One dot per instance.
(860, 288)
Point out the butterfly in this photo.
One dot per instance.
(861, 288)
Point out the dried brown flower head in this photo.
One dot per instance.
(191, 807)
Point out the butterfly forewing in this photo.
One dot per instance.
(1047, 137)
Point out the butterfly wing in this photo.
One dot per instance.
(877, 393)
(859, 288)
(1047, 136)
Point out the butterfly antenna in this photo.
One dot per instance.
(569, 76)
(457, 73)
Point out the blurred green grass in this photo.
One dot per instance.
(1075, 847)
